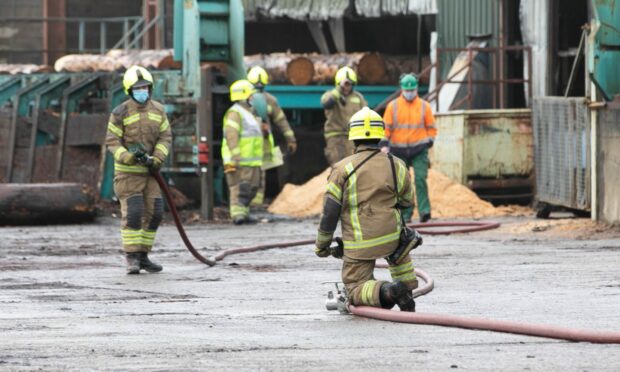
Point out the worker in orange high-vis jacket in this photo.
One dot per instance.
(409, 133)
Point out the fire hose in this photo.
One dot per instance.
(569, 334)
(177, 221)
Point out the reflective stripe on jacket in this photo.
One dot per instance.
(133, 124)
(369, 219)
(409, 124)
(243, 137)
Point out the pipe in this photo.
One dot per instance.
(579, 335)
(440, 319)
(177, 221)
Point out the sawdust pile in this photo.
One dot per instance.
(301, 200)
(448, 199)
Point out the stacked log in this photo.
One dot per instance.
(117, 60)
(23, 69)
(305, 69)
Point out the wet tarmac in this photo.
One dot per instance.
(66, 303)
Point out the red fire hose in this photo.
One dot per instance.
(416, 318)
(177, 221)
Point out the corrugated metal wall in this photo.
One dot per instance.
(324, 9)
(457, 19)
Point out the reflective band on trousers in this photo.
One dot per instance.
(403, 272)
(250, 141)
(355, 219)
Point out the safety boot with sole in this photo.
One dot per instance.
(399, 294)
(133, 263)
(149, 265)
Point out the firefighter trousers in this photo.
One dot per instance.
(142, 209)
(242, 186)
(363, 288)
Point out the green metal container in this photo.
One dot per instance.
(490, 144)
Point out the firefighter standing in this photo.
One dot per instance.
(340, 104)
(242, 150)
(361, 194)
(138, 123)
(273, 115)
(409, 133)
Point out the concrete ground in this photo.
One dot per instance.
(66, 303)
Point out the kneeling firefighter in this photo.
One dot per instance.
(242, 150)
(139, 137)
(366, 192)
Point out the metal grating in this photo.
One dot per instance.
(562, 151)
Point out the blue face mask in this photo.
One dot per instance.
(410, 94)
(141, 95)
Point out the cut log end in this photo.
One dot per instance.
(300, 71)
(371, 69)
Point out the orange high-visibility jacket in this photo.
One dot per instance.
(409, 124)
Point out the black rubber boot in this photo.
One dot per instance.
(149, 265)
(398, 293)
(133, 263)
(425, 217)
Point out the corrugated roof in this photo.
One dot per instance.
(324, 9)
(458, 19)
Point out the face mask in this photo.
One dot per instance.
(410, 94)
(141, 95)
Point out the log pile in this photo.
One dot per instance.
(117, 60)
(305, 69)
(23, 69)
(283, 68)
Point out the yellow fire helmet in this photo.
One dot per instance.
(241, 90)
(346, 73)
(136, 76)
(258, 76)
(366, 124)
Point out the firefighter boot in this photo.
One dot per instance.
(149, 265)
(133, 263)
(396, 293)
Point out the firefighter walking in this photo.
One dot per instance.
(242, 150)
(362, 194)
(138, 124)
(340, 104)
(273, 115)
(409, 134)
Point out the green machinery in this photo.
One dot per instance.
(56, 122)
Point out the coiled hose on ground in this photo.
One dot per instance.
(416, 318)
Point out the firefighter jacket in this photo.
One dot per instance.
(409, 126)
(339, 109)
(366, 203)
(276, 117)
(133, 124)
(243, 137)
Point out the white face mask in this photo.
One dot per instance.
(410, 95)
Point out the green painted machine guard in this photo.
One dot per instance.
(604, 56)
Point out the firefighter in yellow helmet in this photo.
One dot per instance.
(138, 126)
(340, 104)
(362, 194)
(242, 150)
(272, 114)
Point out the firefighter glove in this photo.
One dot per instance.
(291, 146)
(156, 164)
(229, 168)
(128, 158)
(322, 252)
